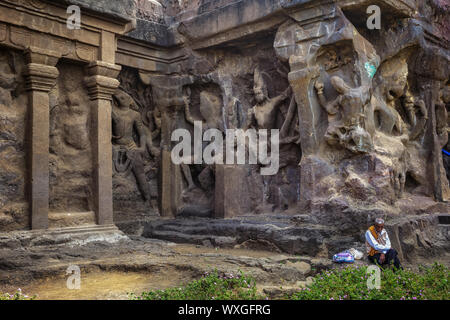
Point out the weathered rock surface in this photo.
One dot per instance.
(415, 237)
(87, 117)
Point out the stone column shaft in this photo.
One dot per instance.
(101, 84)
(40, 76)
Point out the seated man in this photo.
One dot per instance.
(379, 246)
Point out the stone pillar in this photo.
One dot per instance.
(101, 84)
(40, 75)
(301, 78)
(170, 178)
(166, 184)
(220, 210)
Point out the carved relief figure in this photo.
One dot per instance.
(127, 154)
(417, 115)
(154, 122)
(263, 114)
(70, 158)
(398, 175)
(143, 104)
(13, 115)
(8, 79)
(210, 110)
(346, 116)
(75, 124)
(390, 89)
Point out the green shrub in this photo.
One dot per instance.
(431, 283)
(16, 296)
(212, 286)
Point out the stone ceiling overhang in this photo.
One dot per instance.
(148, 57)
(113, 10)
(240, 18)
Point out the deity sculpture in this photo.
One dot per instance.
(75, 123)
(263, 114)
(346, 125)
(417, 115)
(127, 154)
(210, 110)
(398, 176)
(155, 127)
(390, 88)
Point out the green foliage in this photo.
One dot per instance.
(431, 283)
(16, 296)
(212, 286)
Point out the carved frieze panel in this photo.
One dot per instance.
(22, 38)
(136, 124)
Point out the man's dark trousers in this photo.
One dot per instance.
(390, 257)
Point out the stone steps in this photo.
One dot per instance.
(179, 237)
(294, 238)
(62, 236)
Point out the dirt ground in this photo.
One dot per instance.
(134, 266)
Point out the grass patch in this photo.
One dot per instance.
(431, 283)
(18, 295)
(212, 286)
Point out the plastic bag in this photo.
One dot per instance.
(356, 253)
(344, 257)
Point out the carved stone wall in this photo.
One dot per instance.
(13, 145)
(362, 114)
(70, 143)
(133, 201)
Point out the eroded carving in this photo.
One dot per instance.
(127, 153)
(263, 114)
(346, 116)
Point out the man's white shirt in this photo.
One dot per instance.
(382, 245)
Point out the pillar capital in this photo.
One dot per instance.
(40, 73)
(101, 81)
(40, 77)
